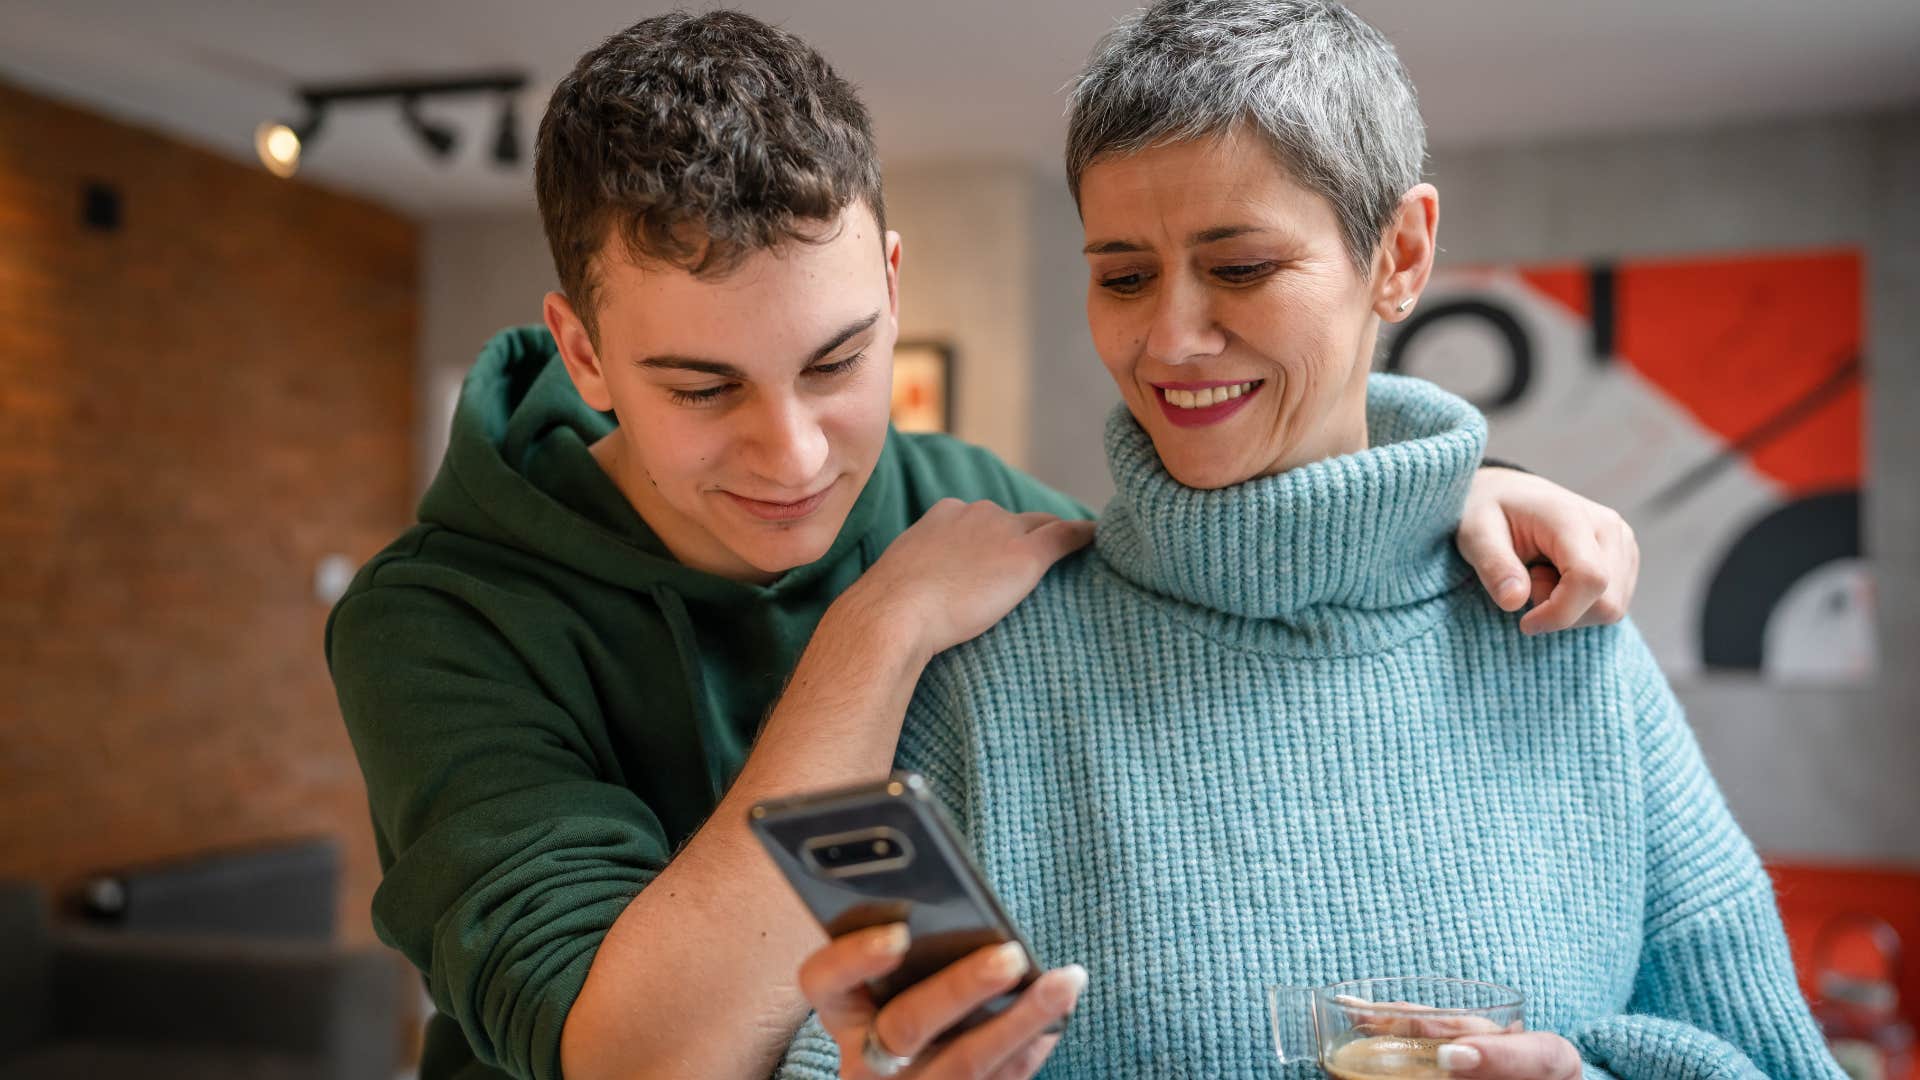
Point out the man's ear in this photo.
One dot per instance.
(1407, 252)
(577, 351)
(893, 277)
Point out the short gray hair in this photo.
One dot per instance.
(1326, 90)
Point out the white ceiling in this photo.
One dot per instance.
(944, 79)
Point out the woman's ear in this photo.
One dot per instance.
(1407, 252)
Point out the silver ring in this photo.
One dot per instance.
(877, 1058)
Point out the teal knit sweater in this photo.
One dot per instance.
(1276, 733)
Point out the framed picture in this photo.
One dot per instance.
(1718, 401)
(923, 386)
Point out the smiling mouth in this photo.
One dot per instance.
(1201, 404)
(781, 511)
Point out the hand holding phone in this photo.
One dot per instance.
(924, 965)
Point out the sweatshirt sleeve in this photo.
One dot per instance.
(508, 857)
(939, 466)
(1715, 994)
(1024, 493)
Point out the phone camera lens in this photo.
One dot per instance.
(833, 854)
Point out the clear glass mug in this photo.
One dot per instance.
(1387, 1029)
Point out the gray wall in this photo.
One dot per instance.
(1809, 771)
(964, 280)
(1072, 393)
(478, 274)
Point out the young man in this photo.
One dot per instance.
(602, 643)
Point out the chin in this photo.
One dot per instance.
(781, 553)
(1199, 471)
(1208, 478)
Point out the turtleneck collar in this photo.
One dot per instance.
(1341, 555)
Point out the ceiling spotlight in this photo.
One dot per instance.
(506, 145)
(438, 137)
(279, 144)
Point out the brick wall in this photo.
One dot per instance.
(194, 409)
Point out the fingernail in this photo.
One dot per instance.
(1009, 961)
(889, 942)
(1509, 588)
(1068, 983)
(1458, 1057)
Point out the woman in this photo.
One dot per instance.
(1269, 731)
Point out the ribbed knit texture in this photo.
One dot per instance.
(1277, 734)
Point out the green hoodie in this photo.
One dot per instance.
(546, 705)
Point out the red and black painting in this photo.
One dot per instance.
(1717, 403)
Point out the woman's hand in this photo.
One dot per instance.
(1478, 1048)
(1526, 1055)
(1011, 1046)
(1531, 540)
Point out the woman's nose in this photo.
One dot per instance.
(1183, 328)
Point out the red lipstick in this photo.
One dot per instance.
(1208, 414)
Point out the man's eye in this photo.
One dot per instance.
(697, 397)
(840, 366)
(1124, 283)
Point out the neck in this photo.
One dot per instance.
(1348, 536)
(1342, 434)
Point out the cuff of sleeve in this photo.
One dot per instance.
(1633, 1047)
(812, 1055)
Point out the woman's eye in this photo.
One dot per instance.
(1243, 273)
(1124, 284)
(700, 397)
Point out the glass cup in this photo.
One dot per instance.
(1387, 1029)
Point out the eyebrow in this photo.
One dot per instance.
(721, 369)
(1204, 236)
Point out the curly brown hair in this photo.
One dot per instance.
(695, 141)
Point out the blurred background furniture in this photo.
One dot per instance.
(1849, 927)
(286, 892)
(216, 970)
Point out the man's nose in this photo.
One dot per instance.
(790, 446)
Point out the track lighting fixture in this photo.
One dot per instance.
(281, 145)
(506, 143)
(439, 138)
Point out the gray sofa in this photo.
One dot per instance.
(78, 1001)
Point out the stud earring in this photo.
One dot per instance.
(1401, 309)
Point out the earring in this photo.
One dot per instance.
(1403, 306)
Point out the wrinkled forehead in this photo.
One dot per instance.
(1189, 187)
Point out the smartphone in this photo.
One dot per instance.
(886, 853)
